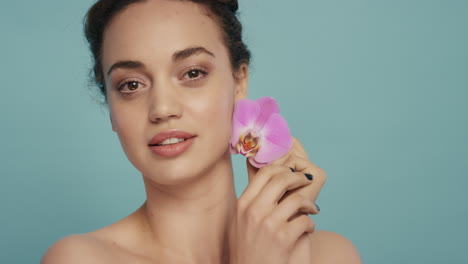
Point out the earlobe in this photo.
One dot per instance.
(112, 123)
(242, 80)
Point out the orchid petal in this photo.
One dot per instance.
(259, 132)
(233, 150)
(237, 129)
(256, 164)
(268, 106)
(270, 152)
(245, 113)
(277, 140)
(277, 131)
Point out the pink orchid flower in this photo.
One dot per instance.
(259, 132)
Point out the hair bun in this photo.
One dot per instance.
(232, 5)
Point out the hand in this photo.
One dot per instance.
(271, 219)
(297, 159)
(265, 229)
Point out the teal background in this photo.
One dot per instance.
(375, 90)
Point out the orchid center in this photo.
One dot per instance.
(248, 144)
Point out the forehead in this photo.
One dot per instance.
(156, 29)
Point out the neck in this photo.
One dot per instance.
(190, 221)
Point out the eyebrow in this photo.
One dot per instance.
(125, 65)
(185, 53)
(177, 56)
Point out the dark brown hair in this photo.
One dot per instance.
(225, 11)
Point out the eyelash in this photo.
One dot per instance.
(198, 70)
(120, 86)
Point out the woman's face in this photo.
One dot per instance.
(166, 68)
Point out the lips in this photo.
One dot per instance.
(160, 137)
(171, 150)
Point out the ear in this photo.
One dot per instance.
(112, 123)
(242, 82)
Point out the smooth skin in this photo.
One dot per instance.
(192, 214)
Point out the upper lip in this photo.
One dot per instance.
(160, 137)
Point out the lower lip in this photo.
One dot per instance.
(172, 149)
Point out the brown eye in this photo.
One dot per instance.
(129, 86)
(133, 85)
(193, 74)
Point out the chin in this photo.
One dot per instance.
(175, 172)
(185, 172)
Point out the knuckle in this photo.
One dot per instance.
(252, 215)
(267, 170)
(280, 179)
(322, 175)
(281, 238)
(296, 141)
(312, 223)
(308, 221)
(287, 159)
(298, 198)
(267, 167)
(241, 205)
(292, 158)
(301, 157)
(269, 225)
(321, 171)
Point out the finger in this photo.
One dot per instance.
(304, 224)
(305, 166)
(319, 177)
(290, 207)
(299, 164)
(279, 184)
(310, 191)
(262, 177)
(251, 170)
(297, 149)
(306, 192)
(297, 227)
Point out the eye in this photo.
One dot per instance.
(129, 86)
(195, 74)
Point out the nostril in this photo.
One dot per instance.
(160, 118)
(163, 108)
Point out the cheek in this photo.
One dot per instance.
(126, 124)
(214, 113)
(220, 113)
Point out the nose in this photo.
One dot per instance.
(164, 104)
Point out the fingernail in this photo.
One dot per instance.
(309, 176)
(293, 170)
(318, 208)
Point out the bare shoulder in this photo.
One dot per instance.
(331, 247)
(78, 248)
(324, 247)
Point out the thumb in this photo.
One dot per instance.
(251, 170)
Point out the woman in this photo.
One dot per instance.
(174, 69)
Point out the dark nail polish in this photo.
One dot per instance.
(309, 176)
(293, 170)
(318, 208)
